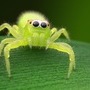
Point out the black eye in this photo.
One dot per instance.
(43, 24)
(30, 22)
(36, 23)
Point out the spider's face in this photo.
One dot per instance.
(39, 26)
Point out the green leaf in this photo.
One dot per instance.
(40, 69)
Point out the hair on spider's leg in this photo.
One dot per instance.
(63, 47)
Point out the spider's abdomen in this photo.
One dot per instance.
(29, 15)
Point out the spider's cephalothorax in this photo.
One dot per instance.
(33, 29)
(38, 32)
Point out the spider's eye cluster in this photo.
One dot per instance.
(37, 23)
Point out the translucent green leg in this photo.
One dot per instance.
(63, 47)
(57, 34)
(7, 49)
(15, 27)
(53, 30)
(5, 41)
(10, 28)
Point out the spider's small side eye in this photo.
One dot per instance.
(48, 24)
(35, 23)
(43, 24)
(30, 22)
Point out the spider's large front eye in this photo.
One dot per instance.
(35, 23)
(43, 24)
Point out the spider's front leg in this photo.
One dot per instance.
(12, 45)
(63, 47)
(56, 34)
(12, 30)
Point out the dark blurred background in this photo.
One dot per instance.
(74, 15)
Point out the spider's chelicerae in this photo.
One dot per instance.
(34, 30)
